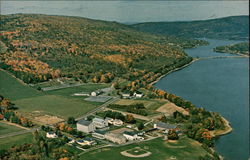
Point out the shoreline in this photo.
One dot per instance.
(176, 69)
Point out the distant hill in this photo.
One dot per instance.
(36, 48)
(236, 27)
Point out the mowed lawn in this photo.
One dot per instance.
(59, 102)
(6, 143)
(6, 128)
(184, 149)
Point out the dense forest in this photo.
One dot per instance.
(36, 48)
(239, 48)
(236, 27)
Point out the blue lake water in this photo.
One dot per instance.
(219, 85)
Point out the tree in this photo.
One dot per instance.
(130, 119)
(172, 135)
(140, 126)
(71, 120)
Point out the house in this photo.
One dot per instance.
(126, 95)
(115, 138)
(96, 93)
(100, 123)
(99, 134)
(81, 94)
(131, 136)
(89, 141)
(85, 126)
(51, 135)
(138, 94)
(164, 126)
(117, 122)
(109, 120)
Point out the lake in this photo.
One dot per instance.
(219, 85)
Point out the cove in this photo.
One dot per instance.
(219, 85)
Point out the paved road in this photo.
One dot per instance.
(101, 107)
(17, 133)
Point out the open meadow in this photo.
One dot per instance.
(59, 102)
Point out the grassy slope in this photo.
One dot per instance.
(5, 128)
(236, 27)
(16, 140)
(160, 150)
(29, 99)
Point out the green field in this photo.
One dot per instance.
(58, 102)
(56, 105)
(188, 150)
(5, 128)
(13, 89)
(83, 88)
(6, 143)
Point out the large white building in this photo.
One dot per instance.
(100, 123)
(85, 126)
(115, 138)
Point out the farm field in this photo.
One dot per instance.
(6, 143)
(184, 148)
(5, 128)
(58, 103)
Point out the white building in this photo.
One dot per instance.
(96, 93)
(138, 95)
(85, 126)
(51, 135)
(100, 123)
(99, 134)
(126, 95)
(115, 138)
(164, 126)
(131, 136)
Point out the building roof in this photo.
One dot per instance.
(84, 122)
(129, 133)
(166, 125)
(88, 139)
(98, 120)
(100, 132)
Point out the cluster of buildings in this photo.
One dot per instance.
(134, 95)
(98, 126)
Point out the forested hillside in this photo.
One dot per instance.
(36, 48)
(236, 27)
(239, 48)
